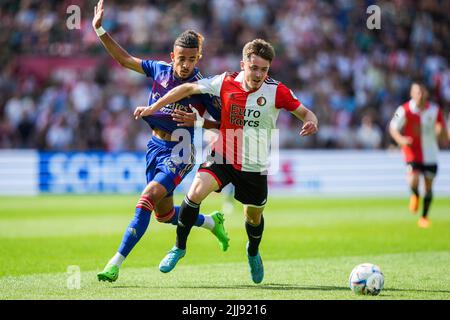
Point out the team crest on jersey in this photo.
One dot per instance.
(261, 101)
(164, 83)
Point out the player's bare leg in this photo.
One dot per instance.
(164, 210)
(254, 225)
(424, 221)
(413, 181)
(203, 184)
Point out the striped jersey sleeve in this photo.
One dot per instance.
(212, 85)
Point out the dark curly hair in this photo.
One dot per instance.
(190, 39)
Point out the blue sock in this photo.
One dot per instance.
(135, 230)
(174, 220)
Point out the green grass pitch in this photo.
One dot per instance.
(309, 247)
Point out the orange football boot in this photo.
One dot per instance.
(424, 222)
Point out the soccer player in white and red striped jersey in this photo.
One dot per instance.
(251, 102)
(415, 127)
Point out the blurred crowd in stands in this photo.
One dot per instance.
(353, 78)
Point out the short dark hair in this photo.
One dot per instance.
(190, 39)
(259, 47)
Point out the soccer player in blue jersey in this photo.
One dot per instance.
(164, 171)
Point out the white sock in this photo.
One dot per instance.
(117, 259)
(208, 223)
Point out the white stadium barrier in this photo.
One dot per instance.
(338, 173)
(19, 172)
(348, 173)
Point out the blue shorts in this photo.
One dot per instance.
(166, 168)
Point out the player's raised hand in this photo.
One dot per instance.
(308, 128)
(98, 15)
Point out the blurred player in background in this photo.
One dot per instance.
(416, 127)
(163, 172)
(251, 101)
(228, 201)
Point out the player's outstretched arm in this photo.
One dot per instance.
(113, 48)
(310, 122)
(174, 95)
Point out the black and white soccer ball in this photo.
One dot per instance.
(366, 279)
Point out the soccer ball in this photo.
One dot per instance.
(366, 279)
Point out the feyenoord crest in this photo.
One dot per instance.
(261, 101)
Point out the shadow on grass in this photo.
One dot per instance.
(288, 287)
(276, 286)
(269, 286)
(414, 290)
